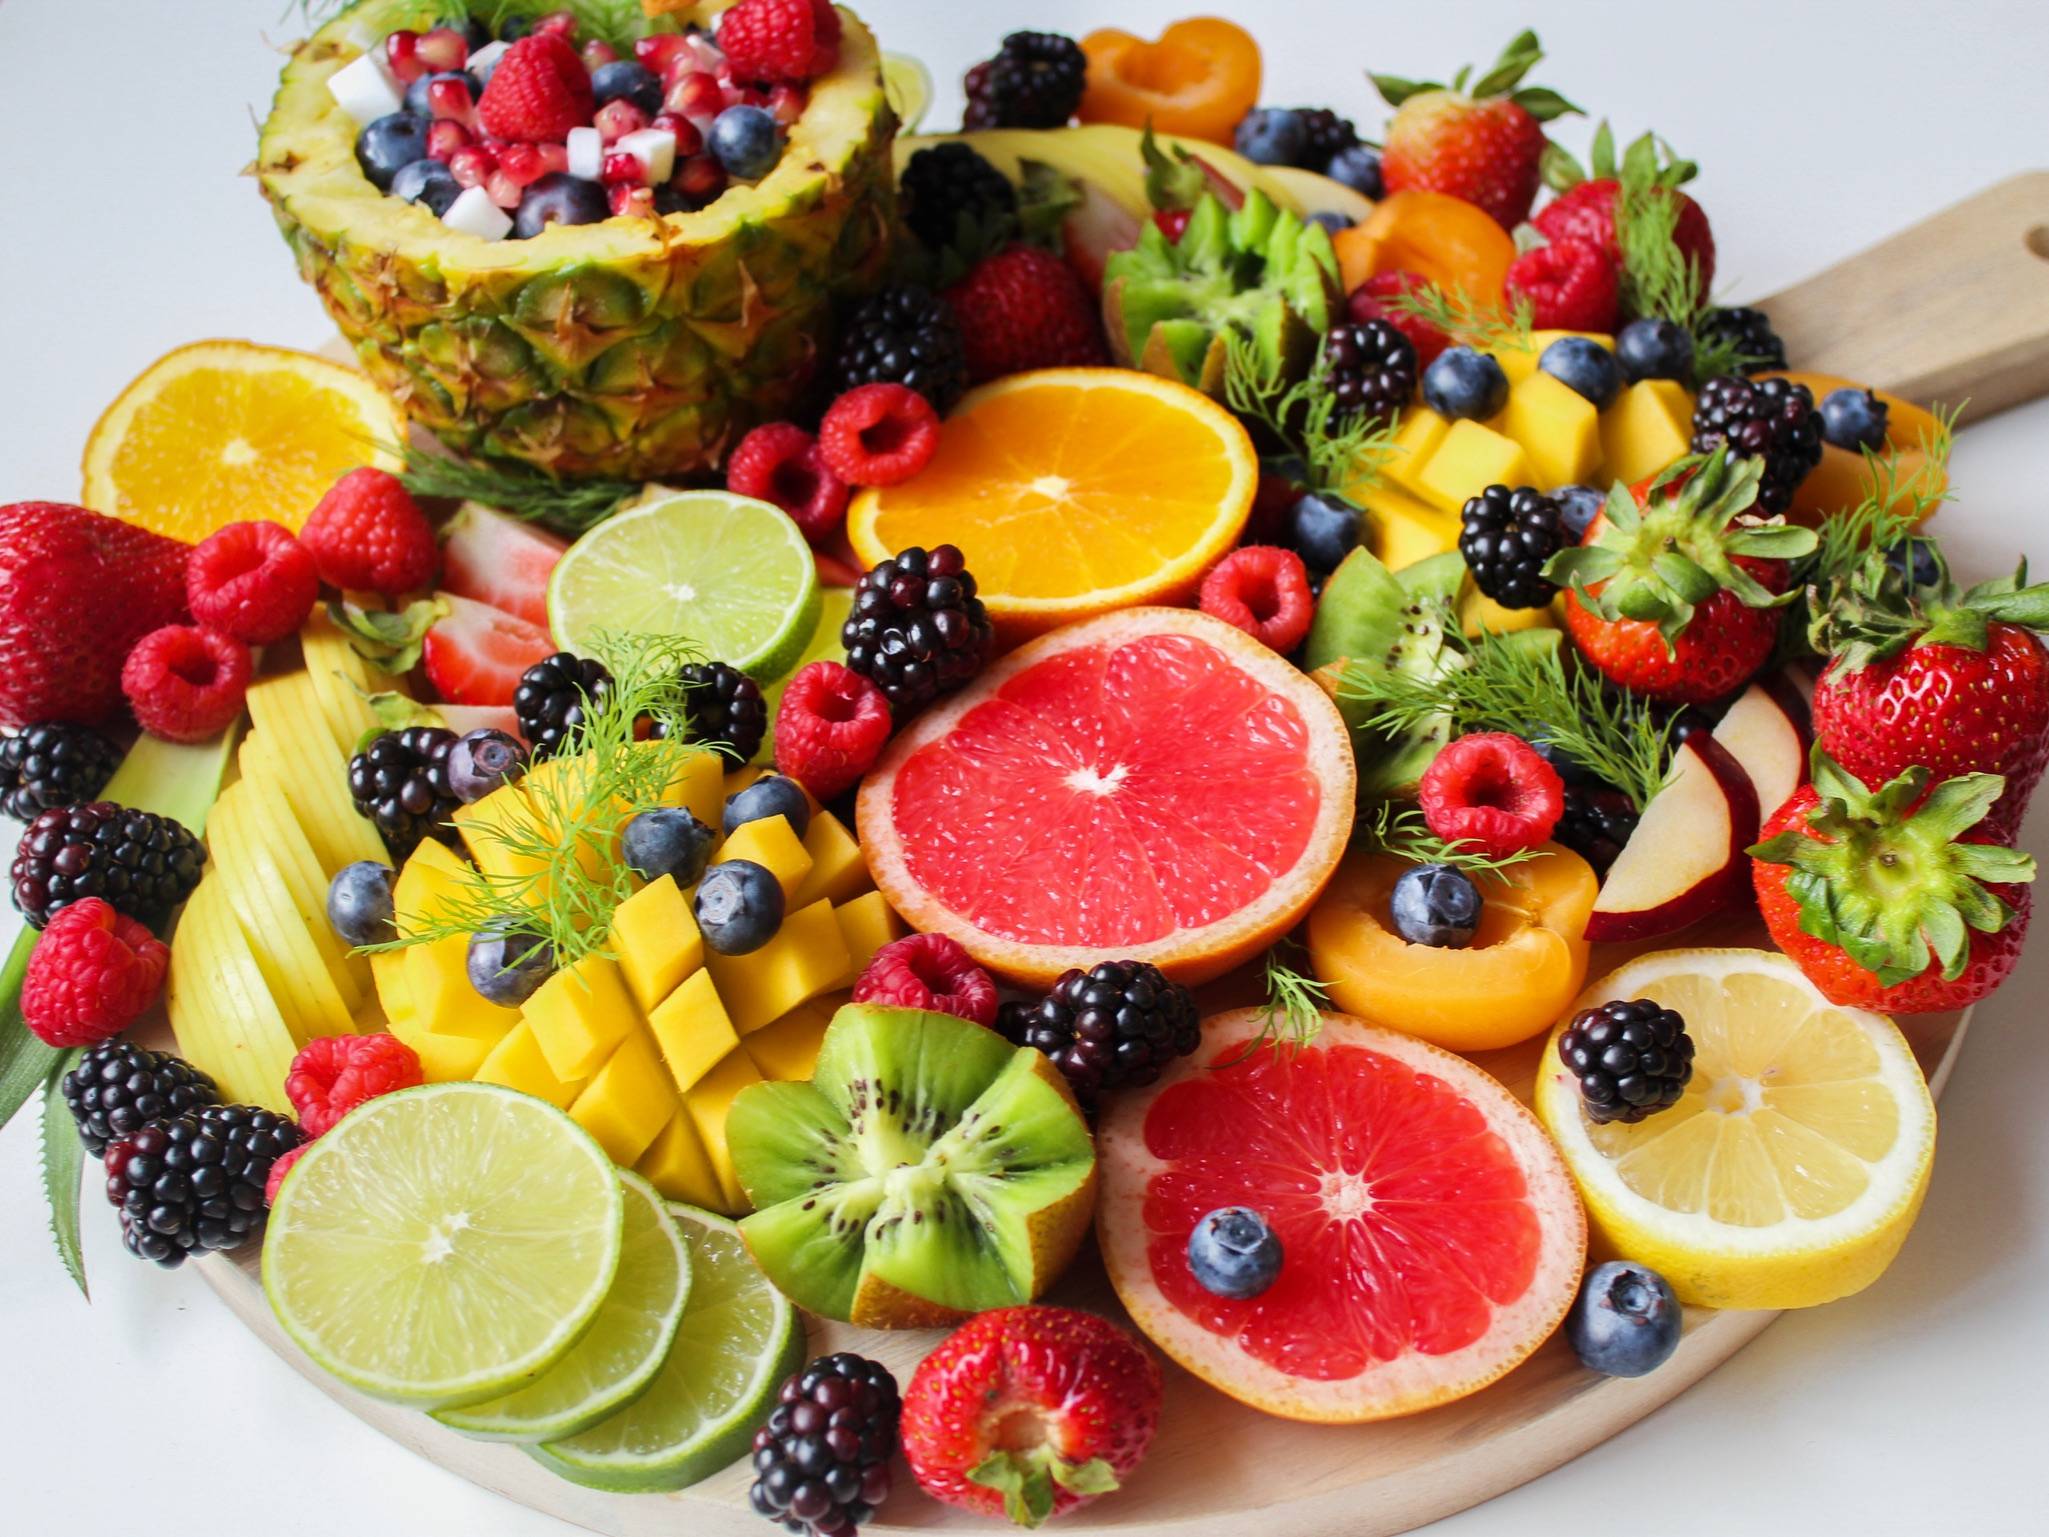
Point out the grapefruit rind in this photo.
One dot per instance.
(1406, 1384)
(1188, 955)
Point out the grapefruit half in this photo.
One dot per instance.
(1431, 1236)
(1152, 784)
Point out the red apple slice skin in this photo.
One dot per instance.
(1687, 856)
(1764, 737)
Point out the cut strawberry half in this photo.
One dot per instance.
(476, 653)
(500, 560)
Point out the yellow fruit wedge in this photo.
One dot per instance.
(279, 937)
(220, 1009)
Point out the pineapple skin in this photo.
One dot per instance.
(628, 349)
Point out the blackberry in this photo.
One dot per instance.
(942, 184)
(1371, 368)
(551, 697)
(917, 629)
(1632, 1058)
(1749, 331)
(1595, 824)
(903, 335)
(196, 1181)
(117, 1089)
(724, 707)
(821, 1462)
(1505, 537)
(400, 782)
(55, 764)
(1325, 137)
(1771, 419)
(144, 865)
(1034, 82)
(1116, 1025)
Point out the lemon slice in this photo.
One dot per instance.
(1791, 1169)
(908, 85)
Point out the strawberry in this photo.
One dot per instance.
(1906, 900)
(1375, 299)
(1483, 143)
(77, 589)
(474, 654)
(539, 91)
(1029, 1412)
(1572, 285)
(500, 560)
(1025, 308)
(1679, 600)
(1585, 207)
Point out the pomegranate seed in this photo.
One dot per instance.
(443, 48)
(444, 138)
(562, 23)
(597, 51)
(688, 140)
(472, 165)
(786, 104)
(504, 189)
(633, 200)
(623, 170)
(695, 95)
(617, 118)
(449, 101)
(522, 162)
(402, 53)
(554, 157)
(656, 51)
(700, 179)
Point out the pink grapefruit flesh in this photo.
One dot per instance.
(1431, 1236)
(1152, 784)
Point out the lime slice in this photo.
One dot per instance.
(908, 85)
(621, 1351)
(728, 573)
(740, 1338)
(834, 604)
(445, 1244)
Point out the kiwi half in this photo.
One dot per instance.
(929, 1170)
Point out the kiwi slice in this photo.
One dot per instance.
(929, 1170)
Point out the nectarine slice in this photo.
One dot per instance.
(1686, 858)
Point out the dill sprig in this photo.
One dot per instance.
(1342, 454)
(1497, 683)
(567, 506)
(1401, 831)
(1489, 327)
(1292, 1016)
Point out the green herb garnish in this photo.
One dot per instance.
(1489, 327)
(1293, 1013)
(1342, 454)
(515, 489)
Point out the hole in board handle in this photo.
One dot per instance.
(2037, 241)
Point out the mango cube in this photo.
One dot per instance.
(839, 872)
(443, 1001)
(443, 1058)
(709, 1102)
(1470, 459)
(629, 1101)
(1520, 365)
(774, 845)
(787, 1050)
(807, 956)
(1406, 530)
(1649, 425)
(656, 936)
(698, 787)
(693, 1030)
(1417, 438)
(1558, 428)
(517, 1063)
(866, 924)
(678, 1166)
(430, 879)
(492, 827)
(580, 1015)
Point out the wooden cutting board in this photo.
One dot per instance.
(1956, 307)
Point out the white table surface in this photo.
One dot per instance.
(127, 228)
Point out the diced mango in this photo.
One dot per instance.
(656, 936)
(443, 1058)
(709, 1103)
(1417, 438)
(839, 873)
(787, 1050)
(516, 1062)
(1649, 425)
(493, 830)
(388, 970)
(1478, 612)
(444, 1002)
(429, 881)
(1469, 460)
(1406, 530)
(774, 845)
(679, 1167)
(580, 1015)
(693, 1029)
(1558, 428)
(629, 1101)
(698, 787)
(866, 924)
(807, 956)
(1520, 365)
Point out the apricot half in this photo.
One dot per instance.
(1523, 969)
(1451, 243)
(1198, 79)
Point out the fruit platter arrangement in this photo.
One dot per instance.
(850, 824)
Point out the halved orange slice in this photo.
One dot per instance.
(1073, 492)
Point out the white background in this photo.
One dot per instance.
(126, 228)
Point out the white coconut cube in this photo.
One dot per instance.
(486, 58)
(473, 213)
(655, 149)
(366, 88)
(586, 153)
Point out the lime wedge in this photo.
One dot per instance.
(445, 1244)
(740, 1338)
(728, 573)
(621, 1351)
(834, 604)
(908, 85)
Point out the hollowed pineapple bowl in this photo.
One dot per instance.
(631, 348)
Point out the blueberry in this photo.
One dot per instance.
(1333, 221)
(1321, 529)
(1233, 1253)
(667, 841)
(1272, 136)
(507, 967)
(428, 183)
(739, 906)
(1585, 367)
(1853, 419)
(1465, 385)
(1916, 560)
(769, 796)
(746, 141)
(1625, 1321)
(1357, 167)
(1578, 506)
(1435, 905)
(359, 903)
(416, 93)
(389, 144)
(1654, 349)
(482, 761)
(630, 79)
(559, 198)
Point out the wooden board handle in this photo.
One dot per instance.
(1953, 308)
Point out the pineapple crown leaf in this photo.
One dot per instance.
(1882, 873)
(1172, 182)
(1502, 79)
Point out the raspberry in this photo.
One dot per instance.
(332, 1074)
(186, 684)
(539, 91)
(252, 581)
(780, 463)
(1494, 791)
(879, 435)
(780, 40)
(1572, 285)
(830, 728)
(91, 975)
(279, 1168)
(1264, 591)
(929, 971)
(1374, 300)
(369, 533)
